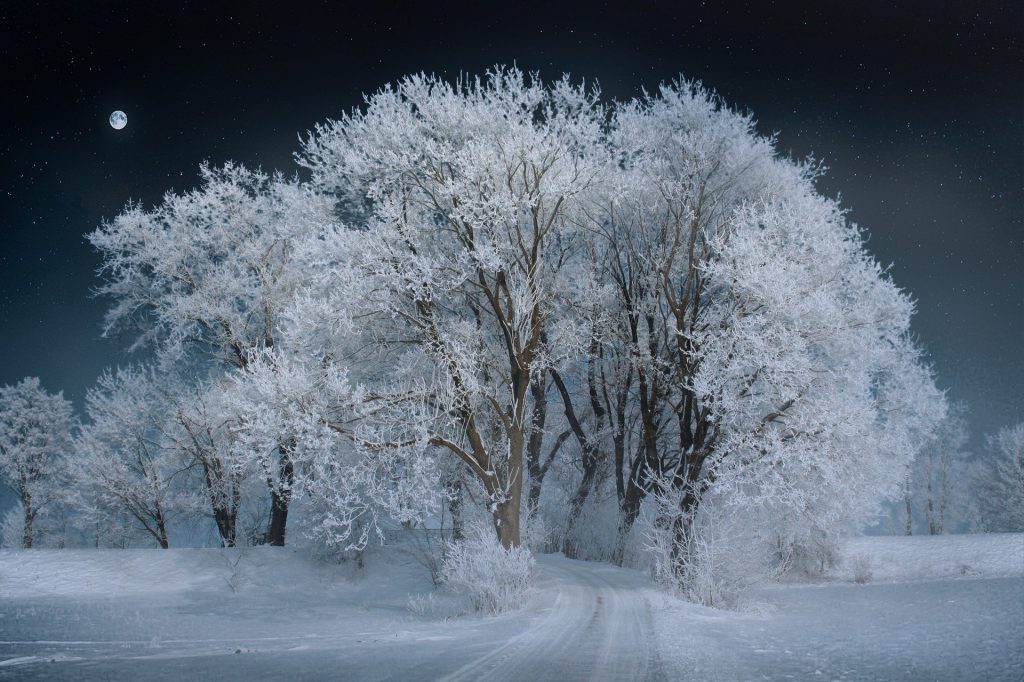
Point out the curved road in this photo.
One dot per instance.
(598, 627)
(582, 621)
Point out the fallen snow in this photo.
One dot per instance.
(933, 557)
(934, 608)
(275, 613)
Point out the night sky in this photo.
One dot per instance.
(915, 107)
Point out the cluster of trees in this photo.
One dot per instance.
(505, 296)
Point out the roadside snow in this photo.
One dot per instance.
(274, 613)
(932, 557)
(292, 617)
(934, 608)
(131, 572)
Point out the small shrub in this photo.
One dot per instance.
(494, 579)
(423, 604)
(861, 565)
(426, 547)
(437, 606)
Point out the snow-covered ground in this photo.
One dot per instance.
(933, 608)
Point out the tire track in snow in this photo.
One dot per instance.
(599, 627)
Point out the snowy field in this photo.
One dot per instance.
(946, 608)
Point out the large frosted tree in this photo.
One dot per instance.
(706, 319)
(469, 198)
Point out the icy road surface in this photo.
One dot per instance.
(270, 614)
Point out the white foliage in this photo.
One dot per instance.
(819, 399)
(494, 578)
(351, 472)
(123, 464)
(209, 268)
(998, 481)
(717, 327)
(36, 430)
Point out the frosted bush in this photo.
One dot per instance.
(494, 579)
(722, 564)
(725, 554)
(861, 566)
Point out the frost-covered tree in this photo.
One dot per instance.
(696, 311)
(198, 427)
(802, 360)
(206, 273)
(642, 297)
(350, 471)
(935, 494)
(36, 428)
(469, 199)
(998, 482)
(747, 347)
(122, 459)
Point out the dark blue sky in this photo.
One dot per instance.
(916, 107)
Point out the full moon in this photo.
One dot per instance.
(118, 120)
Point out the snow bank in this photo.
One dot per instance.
(931, 557)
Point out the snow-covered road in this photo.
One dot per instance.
(583, 621)
(598, 627)
(155, 615)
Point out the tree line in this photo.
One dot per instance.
(508, 298)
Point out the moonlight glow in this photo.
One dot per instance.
(118, 120)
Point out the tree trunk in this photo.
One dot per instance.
(278, 519)
(538, 390)
(630, 512)
(909, 529)
(455, 501)
(280, 498)
(630, 508)
(579, 498)
(682, 524)
(161, 526)
(225, 511)
(506, 522)
(26, 538)
(226, 521)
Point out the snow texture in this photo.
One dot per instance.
(271, 613)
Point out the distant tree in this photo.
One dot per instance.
(36, 429)
(935, 494)
(122, 460)
(206, 273)
(998, 482)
